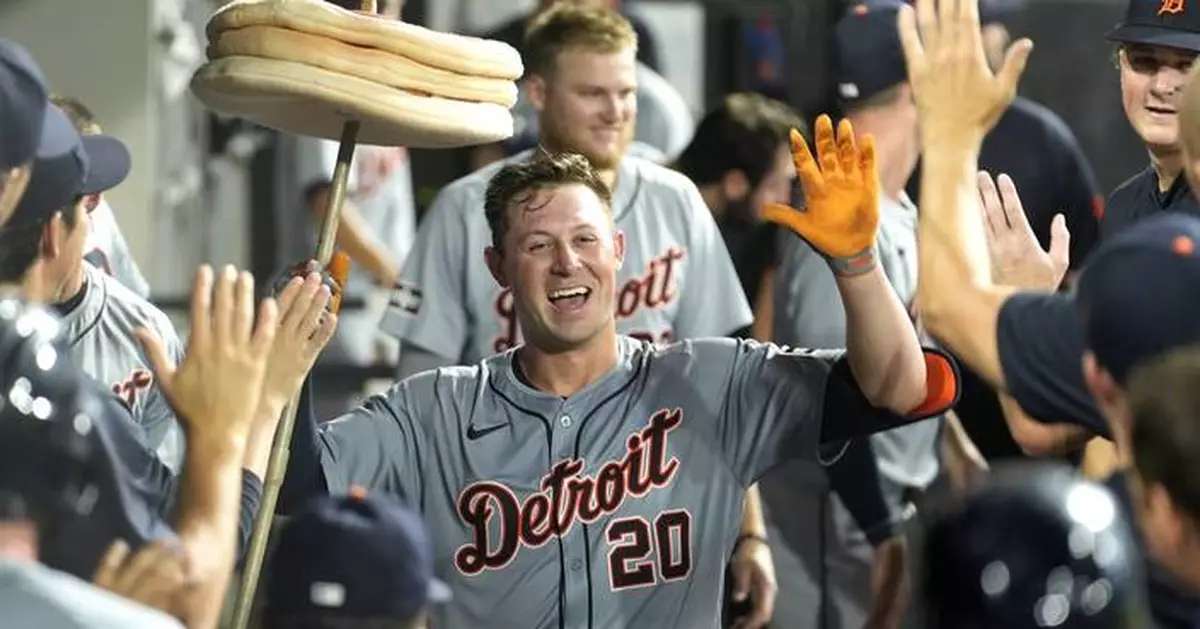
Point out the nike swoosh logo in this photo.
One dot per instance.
(474, 433)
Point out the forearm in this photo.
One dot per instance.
(1039, 439)
(753, 523)
(354, 237)
(212, 482)
(956, 298)
(881, 344)
(262, 435)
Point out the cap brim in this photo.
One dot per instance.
(58, 134)
(109, 163)
(1155, 36)
(439, 592)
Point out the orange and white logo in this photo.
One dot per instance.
(1171, 7)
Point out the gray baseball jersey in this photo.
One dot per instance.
(615, 507)
(99, 333)
(809, 313)
(677, 280)
(33, 595)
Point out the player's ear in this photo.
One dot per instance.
(495, 263)
(535, 91)
(619, 247)
(1109, 398)
(735, 185)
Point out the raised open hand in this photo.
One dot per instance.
(1017, 257)
(216, 389)
(959, 97)
(841, 194)
(305, 327)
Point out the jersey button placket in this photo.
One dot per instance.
(575, 572)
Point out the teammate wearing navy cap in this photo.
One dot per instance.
(349, 560)
(837, 531)
(1156, 44)
(1062, 357)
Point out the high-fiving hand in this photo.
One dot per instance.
(841, 213)
(216, 390)
(959, 97)
(1017, 257)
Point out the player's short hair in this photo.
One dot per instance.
(333, 620)
(80, 116)
(21, 243)
(1164, 395)
(516, 183)
(743, 133)
(567, 26)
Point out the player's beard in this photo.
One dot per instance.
(557, 136)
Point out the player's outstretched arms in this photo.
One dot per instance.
(959, 100)
(215, 392)
(840, 222)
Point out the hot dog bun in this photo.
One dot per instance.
(373, 64)
(302, 99)
(470, 56)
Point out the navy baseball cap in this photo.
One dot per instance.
(868, 57)
(92, 164)
(1139, 294)
(1170, 23)
(358, 556)
(29, 125)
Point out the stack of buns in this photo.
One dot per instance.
(308, 66)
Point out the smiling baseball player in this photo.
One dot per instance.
(590, 479)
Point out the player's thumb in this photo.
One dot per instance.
(1060, 240)
(160, 363)
(1014, 64)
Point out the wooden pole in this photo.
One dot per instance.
(277, 467)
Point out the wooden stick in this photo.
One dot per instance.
(277, 467)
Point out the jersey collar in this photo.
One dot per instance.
(503, 378)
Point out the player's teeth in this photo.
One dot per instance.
(568, 292)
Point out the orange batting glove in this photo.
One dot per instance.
(841, 213)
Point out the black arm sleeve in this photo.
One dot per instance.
(252, 488)
(854, 477)
(304, 479)
(848, 415)
(1041, 354)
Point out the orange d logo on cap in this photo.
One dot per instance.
(1171, 7)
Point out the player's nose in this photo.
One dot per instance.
(566, 260)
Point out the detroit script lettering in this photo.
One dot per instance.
(653, 290)
(567, 495)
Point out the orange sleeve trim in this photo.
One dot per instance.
(942, 386)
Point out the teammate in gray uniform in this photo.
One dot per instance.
(823, 558)
(590, 479)
(448, 310)
(105, 247)
(99, 314)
